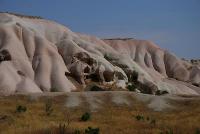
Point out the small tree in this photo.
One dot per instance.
(21, 109)
(85, 117)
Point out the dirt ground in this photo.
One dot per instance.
(115, 112)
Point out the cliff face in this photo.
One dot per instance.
(38, 55)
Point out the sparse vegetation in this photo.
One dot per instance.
(110, 119)
(48, 107)
(133, 81)
(24, 16)
(148, 119)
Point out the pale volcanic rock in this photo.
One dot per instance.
(33, 54)
(158, 63)
(38, 55)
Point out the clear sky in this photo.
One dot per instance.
(172, 24)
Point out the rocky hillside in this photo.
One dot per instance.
(37, 55)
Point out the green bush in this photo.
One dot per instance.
(21, 109)
(91, 130)
(139, 117)
(48, 107)
(85, 117)
(131, 87)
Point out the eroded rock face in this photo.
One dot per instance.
(5, 55)
(38, 55)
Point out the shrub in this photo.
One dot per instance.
(21, 109)
(48, 107)
(131, 87)
(139, 117)
(85, 117)
(91, 130)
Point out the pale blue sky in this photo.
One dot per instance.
(172, 24)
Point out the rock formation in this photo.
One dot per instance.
(37, 55)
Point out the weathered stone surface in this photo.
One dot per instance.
(38, 55)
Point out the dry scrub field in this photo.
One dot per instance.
(22, 114)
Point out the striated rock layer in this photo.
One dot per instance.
(38, 55)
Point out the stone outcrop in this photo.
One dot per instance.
(38, 55)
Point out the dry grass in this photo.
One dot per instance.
(111, 119)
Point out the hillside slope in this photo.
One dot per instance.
(38, 55)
